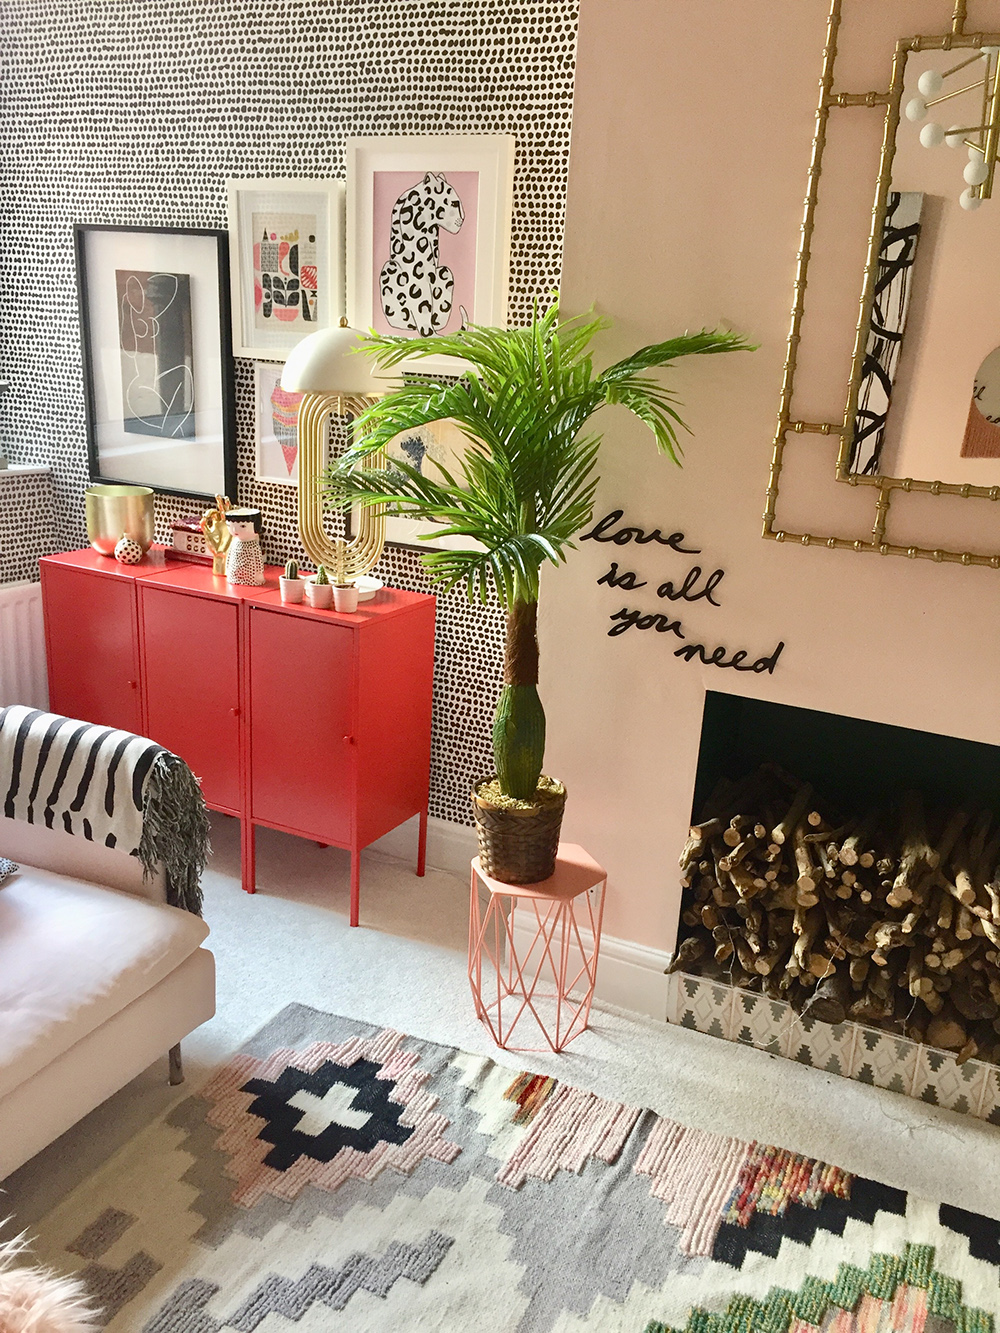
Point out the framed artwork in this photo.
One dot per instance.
(277, 426)
(287, 258)
(439, 442)
(157, 357)
(428, 234)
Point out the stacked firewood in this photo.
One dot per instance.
(892, 919)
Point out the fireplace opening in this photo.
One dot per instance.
(848, 867)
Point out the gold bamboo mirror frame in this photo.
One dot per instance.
(961, 47)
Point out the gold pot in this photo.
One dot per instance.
(114, 511)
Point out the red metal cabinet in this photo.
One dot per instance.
(311, 722)
(301, 705)
(191, 685)
(394, 673)
(90, 638)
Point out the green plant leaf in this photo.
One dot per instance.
(525, 485)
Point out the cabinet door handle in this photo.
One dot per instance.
(235, 712)
(349, 740)
(133, 684)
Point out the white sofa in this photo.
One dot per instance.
(98, 978)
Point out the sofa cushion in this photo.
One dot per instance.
(72, 954)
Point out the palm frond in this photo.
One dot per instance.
(706, 343)
(526, 483)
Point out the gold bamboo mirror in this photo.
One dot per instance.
(920, 421)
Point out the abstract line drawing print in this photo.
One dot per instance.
(157, 353)
(285, 269)
(416, 289)
(890, 303)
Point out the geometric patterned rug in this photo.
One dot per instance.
(334, 1175)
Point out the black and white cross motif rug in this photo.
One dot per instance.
(338, 1176)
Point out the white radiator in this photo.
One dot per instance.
(22, 646)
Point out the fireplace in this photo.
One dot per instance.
(842, 891)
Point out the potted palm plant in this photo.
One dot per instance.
(525, 489)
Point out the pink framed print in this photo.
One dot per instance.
(287, 261)
(428, 234)
(276, 426)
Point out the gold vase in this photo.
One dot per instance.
(114, 511)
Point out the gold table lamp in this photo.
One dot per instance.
(333, 379)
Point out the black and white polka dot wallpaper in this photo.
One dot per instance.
(27, 522)
(137, 111)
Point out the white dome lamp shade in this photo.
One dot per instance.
(331, 361)
(333, 377)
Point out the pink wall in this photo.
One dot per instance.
(691, 142)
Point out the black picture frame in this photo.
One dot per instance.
(202, 380)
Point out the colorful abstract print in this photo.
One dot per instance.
(336, 1176)
(285, 423)
(286, 281)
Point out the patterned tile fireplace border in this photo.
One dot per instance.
(848, 1049)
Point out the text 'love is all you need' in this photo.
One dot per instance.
(695, 586)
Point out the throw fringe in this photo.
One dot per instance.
(175, 830)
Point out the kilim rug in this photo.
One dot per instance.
(338, 1176)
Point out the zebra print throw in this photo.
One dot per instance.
(106, 786)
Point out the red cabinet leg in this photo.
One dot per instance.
(355, 886)
(422, 843)
(248, 855)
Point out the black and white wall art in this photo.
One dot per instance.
(428, 232)
(890, 303)
(157, 361)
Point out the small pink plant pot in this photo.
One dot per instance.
(345, 597)
(319, 595)
(292, 590)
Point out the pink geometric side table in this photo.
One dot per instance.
(550, 933)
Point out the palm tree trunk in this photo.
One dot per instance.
(520, 654)
(519, 722)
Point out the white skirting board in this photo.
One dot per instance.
(629, 975)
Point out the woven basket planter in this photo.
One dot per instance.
(518, 846)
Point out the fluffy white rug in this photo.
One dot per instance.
(36, 1300)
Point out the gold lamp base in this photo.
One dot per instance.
(344, 561)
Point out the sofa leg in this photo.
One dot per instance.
(176, 1065)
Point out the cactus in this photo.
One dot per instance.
(321, 575)
(291, 569)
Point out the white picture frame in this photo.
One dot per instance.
(275, 426)
(312, 211)
(412, 274)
